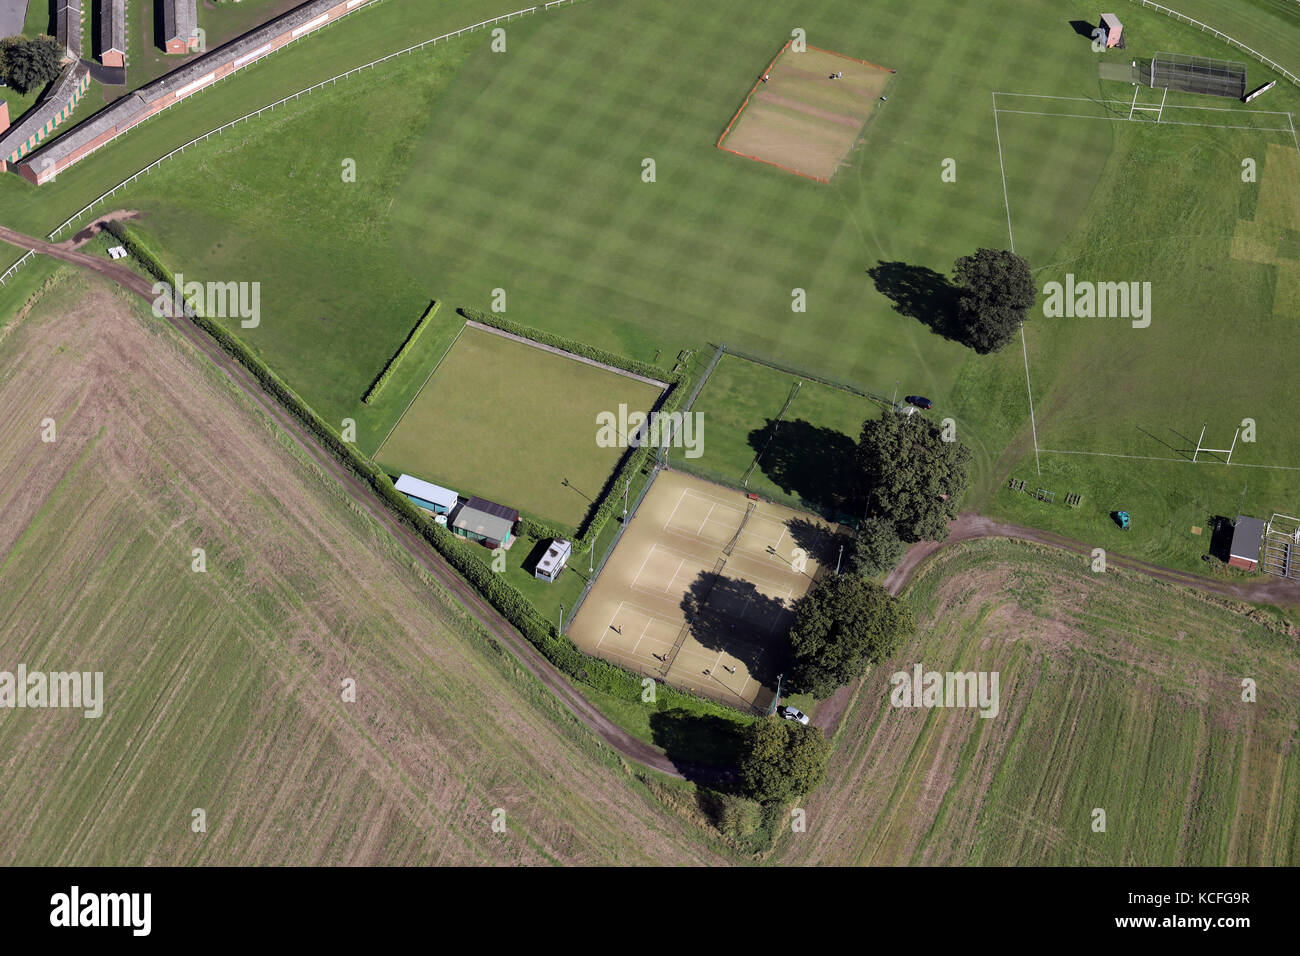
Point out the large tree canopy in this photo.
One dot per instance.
(783, 759)
(841, 626)
(912, 477)
(997, 292)
(876, 547)
(30, 64)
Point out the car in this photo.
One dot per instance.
(920, 401)
(792, 713)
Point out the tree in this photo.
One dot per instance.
(997, 291)
(911, 476)
(876, 548)
(30, 64)
(782, 759)
(841, 626)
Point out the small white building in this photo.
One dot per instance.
(432, 498)
(554, 560)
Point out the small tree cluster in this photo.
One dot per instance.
(28, 64)
(782, 759)
(912, 477)
(841, 626)
(997, 292)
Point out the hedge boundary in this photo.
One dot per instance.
(378, 385)
(507, 600)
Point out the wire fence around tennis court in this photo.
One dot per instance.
(333, 80)
(1206, 28)
(8, 273)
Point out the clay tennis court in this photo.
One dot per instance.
(670, 570)
(802, 120)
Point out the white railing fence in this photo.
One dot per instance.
(14, 268)
(504, 18)
(1206, 28)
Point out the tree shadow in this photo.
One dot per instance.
(703, 747)
(732, 616)
(922, 294)
(806, 460)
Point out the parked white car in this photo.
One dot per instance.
(791, 713)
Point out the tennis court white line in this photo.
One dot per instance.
(610, 626)
(637, 577)
(681, 497)
(644, 627)
(699, 531)
(748, 577)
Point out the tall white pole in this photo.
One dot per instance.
(1234, 443)
(1198, 442)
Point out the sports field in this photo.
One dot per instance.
(806, 111)
(673, 602)
(1174, 216)
(515, 423)
(1116, 692)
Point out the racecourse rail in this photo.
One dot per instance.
(14, 268)
(1206, 28)
(504, 18)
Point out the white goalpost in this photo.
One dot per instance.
(1158, 110)
(1220, 451)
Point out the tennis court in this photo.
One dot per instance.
(700, 588)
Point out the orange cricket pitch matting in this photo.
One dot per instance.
(801, 120)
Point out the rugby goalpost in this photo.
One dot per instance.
(1220, 451)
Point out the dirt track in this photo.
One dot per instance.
(967, 526)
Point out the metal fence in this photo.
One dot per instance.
(504, 18)
(1198, 74)
(618, 536)
(8, 273)
(1206, 28)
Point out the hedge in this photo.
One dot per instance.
(396, 360)
(570, 345)
(507, 600)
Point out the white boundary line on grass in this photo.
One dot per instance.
(1011, 236)
(1006, 202)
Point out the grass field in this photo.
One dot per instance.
(1105, 702)
(517, 424)
(805, 114)
(1119, 408)
(222, 688)
(556, 211)
(805, 460)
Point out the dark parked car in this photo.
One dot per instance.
(920, 401)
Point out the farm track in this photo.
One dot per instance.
(967, 527)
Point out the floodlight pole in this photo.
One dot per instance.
(837, 560)
(777, 698)
(561, 619)
(626, 486)
(895, 402)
